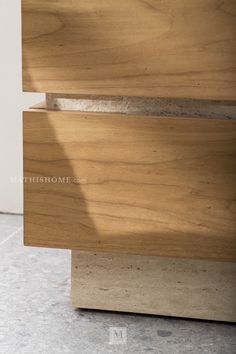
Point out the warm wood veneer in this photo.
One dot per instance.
(141, 185)
(131, 47)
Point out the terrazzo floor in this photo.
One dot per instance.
(36, 315)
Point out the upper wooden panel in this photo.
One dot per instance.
(142, 185)
(131, 47)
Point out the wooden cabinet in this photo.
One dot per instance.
(146, 202)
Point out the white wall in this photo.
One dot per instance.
(12, 102)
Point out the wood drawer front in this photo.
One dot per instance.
(130, 47)
(140, 185)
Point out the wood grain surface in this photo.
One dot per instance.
(154, 285)
(142, 185)
(131, 47)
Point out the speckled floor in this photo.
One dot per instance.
(36, 315)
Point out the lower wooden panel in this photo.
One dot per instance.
(132, 184)
(154, 285)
